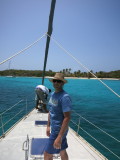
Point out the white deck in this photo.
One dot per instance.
(11, 145)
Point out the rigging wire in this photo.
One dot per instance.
(23, 50)
(60, 46)
(68, 53)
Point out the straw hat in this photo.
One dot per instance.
(58, 76)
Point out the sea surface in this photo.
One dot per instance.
(91, 100)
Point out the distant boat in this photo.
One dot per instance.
(9, 75)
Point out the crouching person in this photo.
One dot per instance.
(42, 93)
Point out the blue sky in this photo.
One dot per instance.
(88, 29)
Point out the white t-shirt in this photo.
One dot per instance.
(43, 88)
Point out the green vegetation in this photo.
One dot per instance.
(67, 73)
(25, 73)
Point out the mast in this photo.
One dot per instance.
(50, 29)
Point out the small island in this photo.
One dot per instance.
(66, 72)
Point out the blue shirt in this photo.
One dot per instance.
(59, 103)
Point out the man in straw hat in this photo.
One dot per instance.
(58, 118)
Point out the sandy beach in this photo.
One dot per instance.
(87, 78)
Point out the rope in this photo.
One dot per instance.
(97, 127)
(22, 50)
(59, 45)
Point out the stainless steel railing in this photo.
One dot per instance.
(77, 120)
(21, 112)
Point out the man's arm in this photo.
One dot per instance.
(48, 126)
(64, 127)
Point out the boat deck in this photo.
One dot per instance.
(11, 145)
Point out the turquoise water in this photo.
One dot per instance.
(90, 99)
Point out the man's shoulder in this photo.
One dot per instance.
(65, 94)
(65, 97)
